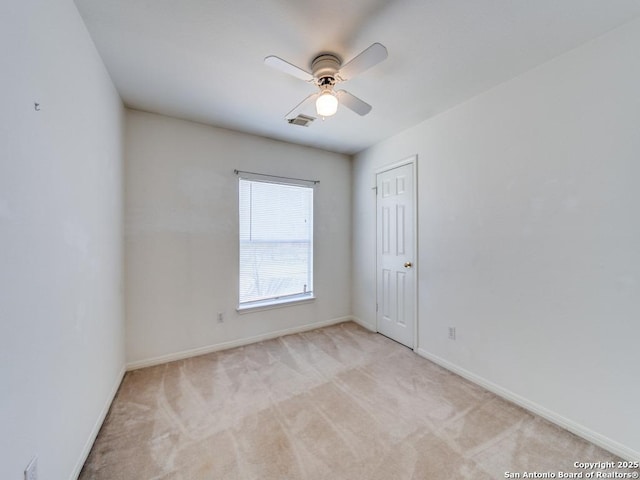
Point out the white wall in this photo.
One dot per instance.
(61, 305)
(529, 237)
(182, 235)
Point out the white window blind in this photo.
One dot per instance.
(276, 242)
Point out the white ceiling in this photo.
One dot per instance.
(202, 60)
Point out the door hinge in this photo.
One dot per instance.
(376, 308)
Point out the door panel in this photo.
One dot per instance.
(395, 253)
(400, 230)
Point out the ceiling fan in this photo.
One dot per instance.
(326, 72)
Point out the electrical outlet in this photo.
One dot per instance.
(31, 472)
(220, 317)
(452, 333)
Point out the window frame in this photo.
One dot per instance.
(284, 300)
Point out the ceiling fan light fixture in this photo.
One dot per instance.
(327, 104)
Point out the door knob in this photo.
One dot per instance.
(408, 265)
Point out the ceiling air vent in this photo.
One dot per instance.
(301, 120)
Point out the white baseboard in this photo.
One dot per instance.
(96, 427)
(581, 431)
(363, 324)
(172, 357)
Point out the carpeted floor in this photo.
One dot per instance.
(335, 403)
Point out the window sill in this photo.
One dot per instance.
(271, 304)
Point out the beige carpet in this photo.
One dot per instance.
(335, 403)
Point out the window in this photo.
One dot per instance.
(276, 242)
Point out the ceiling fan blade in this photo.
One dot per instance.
(286, 67)
(367, 59)
(302, 106)
(353, 103)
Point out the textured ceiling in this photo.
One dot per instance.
(202, 60)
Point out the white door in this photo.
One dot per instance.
(396, 273)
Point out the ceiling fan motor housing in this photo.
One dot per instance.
(325, 68)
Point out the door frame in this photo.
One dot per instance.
(413, 161)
